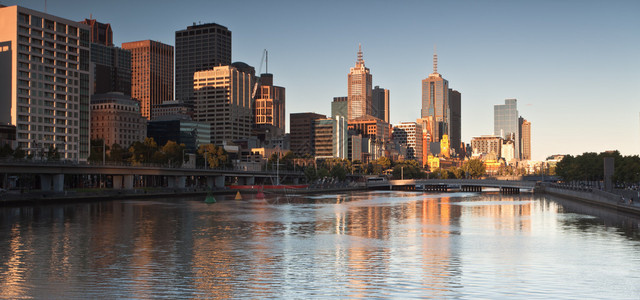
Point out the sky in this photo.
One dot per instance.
(573, 66)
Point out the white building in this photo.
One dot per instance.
(409, 135)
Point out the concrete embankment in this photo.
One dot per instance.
(594, 196)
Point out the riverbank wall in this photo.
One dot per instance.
(593, 196)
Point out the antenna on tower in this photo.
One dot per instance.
(359, 52)
(435, 60)
(266, 60)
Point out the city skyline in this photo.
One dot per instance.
(562, 61)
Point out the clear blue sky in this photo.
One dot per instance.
(574, 66)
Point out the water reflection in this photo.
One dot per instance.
(360, 245)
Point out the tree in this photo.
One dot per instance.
(53, 153)
(6, 151)
(474, 167)
(142, 152)
(215, 156)
(339, 172)
(118, 154)
(95, 155)
(19, 153)
(173, 153)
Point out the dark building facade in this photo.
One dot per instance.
(455, 128)
(112, 69)
(198, 48)
(302, 131)
(190, 133)
(380, 104)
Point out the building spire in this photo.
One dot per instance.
(360, 60)
(435, 60)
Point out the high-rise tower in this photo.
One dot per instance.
(380, 104)
(45, 81)
(199, 47)
(152, 73)
(505, 122)
(435, 103)
(359, 90)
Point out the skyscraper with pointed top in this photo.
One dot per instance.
(435, 104)
(359, 90)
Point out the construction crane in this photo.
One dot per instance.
(265, 59)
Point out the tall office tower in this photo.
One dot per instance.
(199, 47)
(505, 122)
(100, 32)
(111, 69)
(270, 103)
(301, 136)
(339, 107)
(330, 138)
(116, 119)
(435, 103)
(151, 73)
(45, 81)
(455, 128)
(525, 138)
(380, 103)
(223, 100)
(360, 93)
(409, 135)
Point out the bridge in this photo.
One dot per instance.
(52, 174)
(443, 185)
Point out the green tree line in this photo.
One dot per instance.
(590, 167)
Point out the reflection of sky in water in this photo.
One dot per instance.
(383, 244)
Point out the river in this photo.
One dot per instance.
(381, 244)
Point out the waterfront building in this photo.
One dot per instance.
(116, 119)
(455, 127)
(380, 103)
(487, 144)
(190, 133)
(199, 47)
(152, 73)
(100, 33)
(359, 90)
(223, 100)
(505, 123)
(111, 69)
(375, 134)
(45, 81)
(270, 103)
(302, 131)
(331, 138)
(435, 103)
(525, 138)
(168, 110)
(340, 107)
(409, 135)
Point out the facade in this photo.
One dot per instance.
(330, 138)
(270, 103)
(151, 73)
(380, 103)
(373, 128)
(169, 110)
(301, 132)
(8, 135)
(223, 100)
(340, 107)
(111, 69)
(506, 123)
(198, 48)
(116, 119)
(487, 144)
(45, 81)
(435, 103)
(409, 135)
(455, 128)
(190, 133)
(525, 138)
(100, 33)
(359, 90)
(355, 146)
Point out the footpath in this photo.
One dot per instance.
(627, 202)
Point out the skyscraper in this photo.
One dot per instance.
(359, 89)
(409, 135)
(435, 103)
(380, 104)
(44, 81)
(270, 103)
(339, 107)
(455, 127)
(199, 47)
(505, 123)
(302, 132)
(100, 32)
(223, 99)
(152, 73)
(525, 138)
(112, 69)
